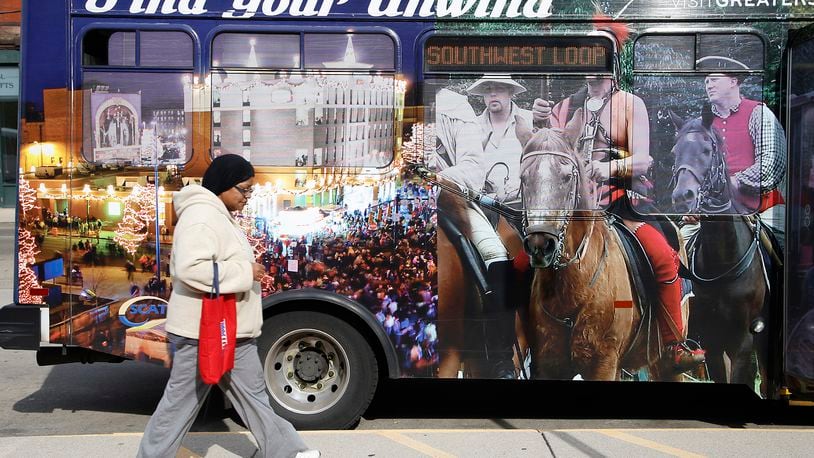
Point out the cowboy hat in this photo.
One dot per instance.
(477, 87)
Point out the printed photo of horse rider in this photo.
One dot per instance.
(754, 144)
(502, 149)
(467, 147)
(616, 146)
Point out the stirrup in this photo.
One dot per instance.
(684, 358)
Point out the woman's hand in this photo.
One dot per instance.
(258, 271)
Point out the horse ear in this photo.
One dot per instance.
(677, 121)
(574, 128)
(522, 130)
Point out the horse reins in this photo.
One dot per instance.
(710, 183)
(714, 180)
(737, 269)
(559, 252)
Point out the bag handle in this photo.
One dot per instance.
(215, 282)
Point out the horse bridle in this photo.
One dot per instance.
(712, 180)
(574, 197)
(715, 177)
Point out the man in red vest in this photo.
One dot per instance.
(754, 143)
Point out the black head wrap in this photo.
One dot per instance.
(225, 172)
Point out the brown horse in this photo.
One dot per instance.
(460, 323)
(580, 321)
(729, 284)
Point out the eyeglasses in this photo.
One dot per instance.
(246, 192)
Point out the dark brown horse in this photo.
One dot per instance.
(460, 302)
(580, 321)
(729, 284)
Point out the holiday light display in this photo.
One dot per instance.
(27, 246)
(259, 243)
(139, 212)
(421, 144)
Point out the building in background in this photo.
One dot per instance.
(9, 98)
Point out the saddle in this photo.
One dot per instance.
(645, 289)
(767, 245)
(641, 271)
(466, 250)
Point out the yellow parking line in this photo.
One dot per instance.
(184, 452)
(414, 444)
(623, 436)
(421, 431)
(680, 429)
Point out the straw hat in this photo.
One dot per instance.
(477, 87)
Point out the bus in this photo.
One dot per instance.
(542, 190)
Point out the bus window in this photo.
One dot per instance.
(114, 48)
(355, 51)
(109, 48)
(265, 50)
(664, 52)
(694, 87)
(135, 116)
(165, 49)
(459, 111)
(479, 96)
(286, 118)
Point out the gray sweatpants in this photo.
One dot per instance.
(245, 388)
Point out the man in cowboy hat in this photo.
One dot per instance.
(754, 143)
(501, 147)
(482, 153)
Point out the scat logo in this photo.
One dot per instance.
(139, 310)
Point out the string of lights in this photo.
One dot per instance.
(27, 246)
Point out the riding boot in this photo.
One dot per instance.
(670, 319)
(499, 311)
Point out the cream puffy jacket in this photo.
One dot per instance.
(206, 231)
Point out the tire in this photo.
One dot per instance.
(320, 372)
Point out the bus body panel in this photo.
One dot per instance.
(112, 127)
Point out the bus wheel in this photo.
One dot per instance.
(321, 372)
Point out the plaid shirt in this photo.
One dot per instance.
(769, 139)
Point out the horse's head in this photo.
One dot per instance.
(553, 185)
(700, 180)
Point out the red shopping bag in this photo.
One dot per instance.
(216, 338)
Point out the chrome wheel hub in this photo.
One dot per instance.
(307, 371)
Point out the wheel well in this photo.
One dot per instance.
(329, 308)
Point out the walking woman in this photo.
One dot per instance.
(207, 231)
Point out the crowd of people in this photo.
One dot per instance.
(382, 257)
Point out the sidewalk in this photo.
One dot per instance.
(689, 442)
(378, 443)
